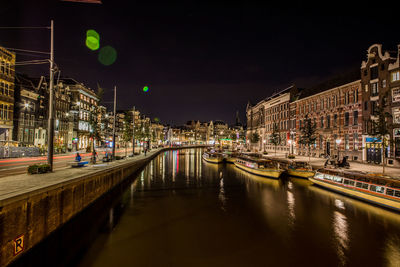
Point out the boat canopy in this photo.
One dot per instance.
(364, 177)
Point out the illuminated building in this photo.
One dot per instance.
(84, 109)
(7, 75)
(380, 79)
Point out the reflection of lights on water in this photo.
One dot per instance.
(392, 251)
(339, 204)
(187, 167)
(173, 165)
(163, 167)
(290, 185)
(142, 178)
(151, 170)
(132, 191)
(340, 226)
(221, 195)
(111, 218)
(291, 202)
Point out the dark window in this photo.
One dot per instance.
(346, 119)
(322, 122)
(373, 107)
(366, 105)
(355, 117)
(365, 72)
(335, 120)
(382, 66)
(389, 192)
(328, 121)
(374, 72)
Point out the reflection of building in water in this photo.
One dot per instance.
(163, 167)
(392, 251)
(174, 165)
(340, 227)
(221, 195)
(339, 204)
(291, 203)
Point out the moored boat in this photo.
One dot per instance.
(261, 167)
(296, 168)
(378, 190)
(301, 169)
(213, 157)
(230, 156)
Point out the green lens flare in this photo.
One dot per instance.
(93, 33)
(145, 89)
(107, 55)
(92, 43)
(92, 40)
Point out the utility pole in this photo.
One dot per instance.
(115, 118)
(133, 134)
(50, 135)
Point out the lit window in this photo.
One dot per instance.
(395, 76)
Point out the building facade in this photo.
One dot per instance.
(336, 112)
(84, 108)
(379, 81)
(26, 111)
(7, 76)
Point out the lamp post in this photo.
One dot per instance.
(338, 141)
(291, 147)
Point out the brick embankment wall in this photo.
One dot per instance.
(27, 219)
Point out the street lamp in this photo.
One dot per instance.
(291, 147)
(338, 141)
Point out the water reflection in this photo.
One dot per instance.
(291, 203)
(183, 211)
(392, 251)
(221, 195)
(340, 227)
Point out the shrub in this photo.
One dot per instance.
(291, 156)
(118, 157)
(43, 168)
(35, 168)
(265, 153)
(32, 169)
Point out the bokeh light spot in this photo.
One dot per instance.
(107, 55)
(92, 40)
(145, 89)
(92, 43)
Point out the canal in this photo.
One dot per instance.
(182, 211)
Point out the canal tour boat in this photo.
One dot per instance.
(378, 190)
(296, 168)
(258, 166)
(300, 169)
(213, 157)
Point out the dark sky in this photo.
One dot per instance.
(201, 60)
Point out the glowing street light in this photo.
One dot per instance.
(338, 141)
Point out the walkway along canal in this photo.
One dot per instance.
(182, 211)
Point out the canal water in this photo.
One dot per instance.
(182, 211)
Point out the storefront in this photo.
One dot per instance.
(396, 137)
(373, 148)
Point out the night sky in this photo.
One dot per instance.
(201, 61)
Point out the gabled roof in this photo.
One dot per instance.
(351, 76)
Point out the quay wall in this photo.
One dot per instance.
(28, 218)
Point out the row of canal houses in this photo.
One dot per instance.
(24, 113)
(341, 108)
